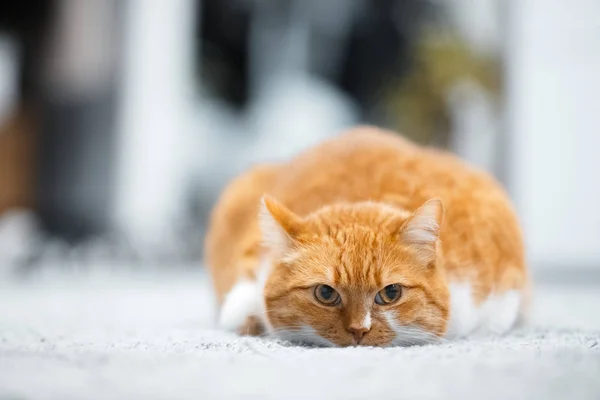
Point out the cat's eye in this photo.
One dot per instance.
(389, 294)
(327, 295)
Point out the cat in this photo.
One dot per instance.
(367, 239)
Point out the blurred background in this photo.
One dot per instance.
(121, 121)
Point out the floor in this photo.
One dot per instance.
(149, 336)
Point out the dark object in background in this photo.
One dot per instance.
(18, 134)
(17, 162)
(376, 51)
(380, 51)
(27, 22)
(69, 175)
(74, 185)
(222, 52)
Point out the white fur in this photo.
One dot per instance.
(241, 302)
(367, 321)
(500, 312)
(495, 315)
(264, 270)
(407, 335)
(245, 299)
(305, 334)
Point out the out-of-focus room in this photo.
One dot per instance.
(122, 121)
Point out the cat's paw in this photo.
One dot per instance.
(252, 327)
(240, 304)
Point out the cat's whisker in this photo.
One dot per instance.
(411, 333)
(300, 336)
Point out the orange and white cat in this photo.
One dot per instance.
(367, 239)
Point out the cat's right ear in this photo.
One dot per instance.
(422, 229)
(278, 225)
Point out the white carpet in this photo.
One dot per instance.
(144, 337)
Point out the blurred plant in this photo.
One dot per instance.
(418, 103)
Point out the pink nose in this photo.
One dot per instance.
(358, 332)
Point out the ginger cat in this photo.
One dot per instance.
(367, 239)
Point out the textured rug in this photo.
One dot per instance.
(152, 337)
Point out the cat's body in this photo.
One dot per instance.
(342, 218)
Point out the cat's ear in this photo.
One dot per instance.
(278, 225)
(422, 229)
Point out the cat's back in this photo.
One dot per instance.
(368, 163)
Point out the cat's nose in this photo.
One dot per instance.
(358, 332)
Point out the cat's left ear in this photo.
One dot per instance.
(279, 226)
(422, 229)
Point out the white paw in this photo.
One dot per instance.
(494, 316)
(241, 302)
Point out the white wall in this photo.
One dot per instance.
(554, 106)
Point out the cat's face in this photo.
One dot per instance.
(364, 274)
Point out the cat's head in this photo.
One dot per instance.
(355, 274)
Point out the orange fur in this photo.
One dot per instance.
(353, 213)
